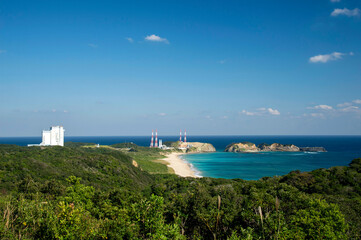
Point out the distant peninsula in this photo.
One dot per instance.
(248, 147)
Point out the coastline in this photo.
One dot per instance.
(180, 167)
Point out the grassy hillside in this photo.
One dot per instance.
(100, 168)
(147, 158)
(79, 192)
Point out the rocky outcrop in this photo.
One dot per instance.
(242, 147)
(312, 149)
(247, 147)
(277, 147)
(197, 147)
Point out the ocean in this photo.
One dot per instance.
(249, 166)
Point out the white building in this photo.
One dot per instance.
(52, 137)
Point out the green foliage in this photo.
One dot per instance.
(356, 164)
(96, 193)
(318, 218)
(150, 216)
(78, 144)
(125, 145)
(172, 144)
(79, 194)
(28, 168)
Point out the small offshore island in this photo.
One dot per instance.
(248, 147)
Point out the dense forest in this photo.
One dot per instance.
(122, 192)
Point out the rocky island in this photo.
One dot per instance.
(190, 147)
(248, 147)
(197, 147)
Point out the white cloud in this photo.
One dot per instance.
(223, 61)
(224, 117)
(335, 0)
(347, 12)
(326, 57)
(92, 45)
(350, 109)
(249, 113)
(321, 107)
(129, 39)
(162, 114)
(261, 111)
(345, 104)
(273, 111)
(2, 51)
(155, 38)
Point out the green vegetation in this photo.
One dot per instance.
(78, 192)
(147, 158)
(172, 144)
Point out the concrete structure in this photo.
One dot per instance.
(160, 143)
(52, 137)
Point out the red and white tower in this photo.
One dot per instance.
(185, 136)
(151, 140)
(156, 138)
(180, 135)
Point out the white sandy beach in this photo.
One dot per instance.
(179, 166)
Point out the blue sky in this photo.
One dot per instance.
(212, 67)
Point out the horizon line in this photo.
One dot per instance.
(206, 135)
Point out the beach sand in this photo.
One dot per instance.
(179, 166)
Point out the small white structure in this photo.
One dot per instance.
(52, 137)
(160, 143)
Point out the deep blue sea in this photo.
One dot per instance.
(249, 166)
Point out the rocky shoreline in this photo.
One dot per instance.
(248, 147)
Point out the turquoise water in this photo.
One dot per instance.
(253, 166)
